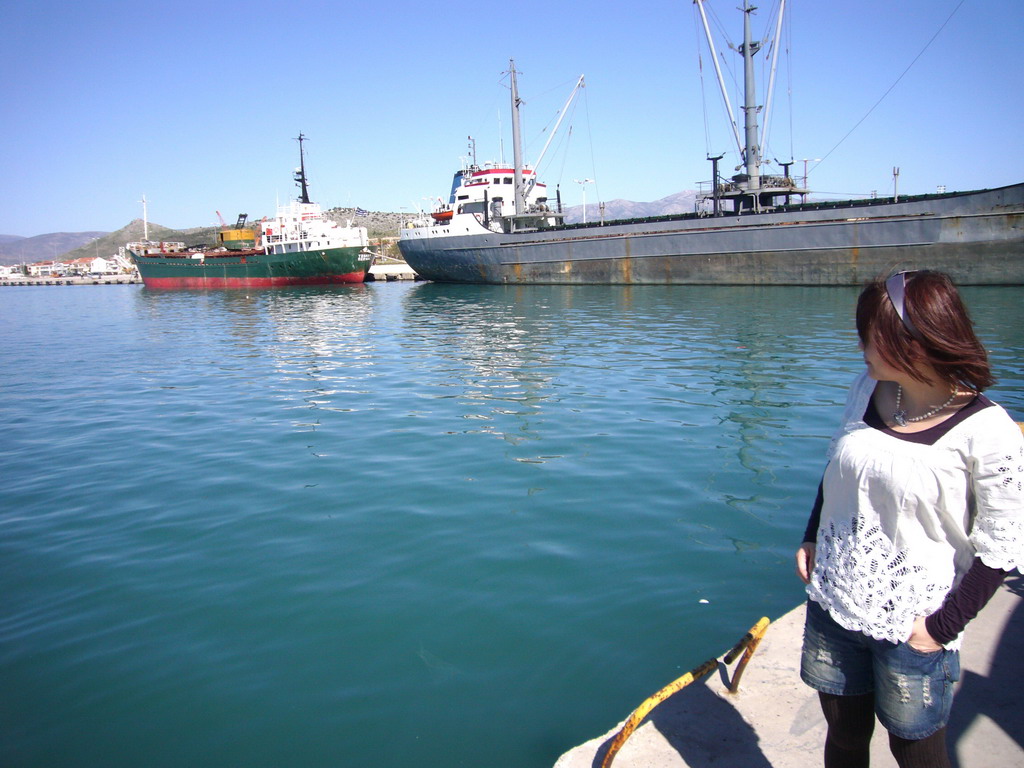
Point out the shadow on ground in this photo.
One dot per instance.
(997, 695)
(677, 720)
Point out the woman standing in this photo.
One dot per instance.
(919, 517)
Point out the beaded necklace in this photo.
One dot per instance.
(900, 415)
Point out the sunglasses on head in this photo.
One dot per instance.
(896, 288)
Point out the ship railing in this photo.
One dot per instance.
(708, 188)
(778, 182)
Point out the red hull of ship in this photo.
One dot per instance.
(250, 282)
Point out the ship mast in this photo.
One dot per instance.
(752, 153)
(517, 146)
(750, 190)
(300, 174)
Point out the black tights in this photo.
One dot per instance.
(851, 721)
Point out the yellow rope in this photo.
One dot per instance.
(650, 703)
(748, 643)
(751, 640)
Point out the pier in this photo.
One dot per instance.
(87, 280)
(774, 720)
(391, 270)
(383, 272)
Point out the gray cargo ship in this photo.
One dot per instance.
(498, 227)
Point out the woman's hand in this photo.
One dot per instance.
(920, 640)
(805, 561)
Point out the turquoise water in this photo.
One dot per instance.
(399, 524)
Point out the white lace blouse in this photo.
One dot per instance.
(902, 521)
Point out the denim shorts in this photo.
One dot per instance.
(913, 690)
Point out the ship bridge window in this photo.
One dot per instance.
(463, 197)
(508, 180)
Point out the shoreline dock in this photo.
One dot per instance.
(392, 271)
(775, 721)
(389, 272)
(103, 280)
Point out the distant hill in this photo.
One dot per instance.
(72, 245)
(681, 202)
(134, 231)
(19, 250)
(377, 223)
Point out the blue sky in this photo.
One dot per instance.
(196, 104)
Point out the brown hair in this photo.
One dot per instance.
(946, 339)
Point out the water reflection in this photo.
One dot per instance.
(737, 364)
(723, 363)
(308, 346)
(321, 342)
(495, 356)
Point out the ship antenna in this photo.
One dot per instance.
(300, 175)
(145, 220)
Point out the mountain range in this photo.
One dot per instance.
(19, 250)
(680, 202)
(66, 246)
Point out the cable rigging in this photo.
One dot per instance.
(893, 86)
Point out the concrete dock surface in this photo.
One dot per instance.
(775, 721)
(392, 271)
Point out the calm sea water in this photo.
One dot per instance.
(399, 524)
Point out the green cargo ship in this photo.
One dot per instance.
(299, 246)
